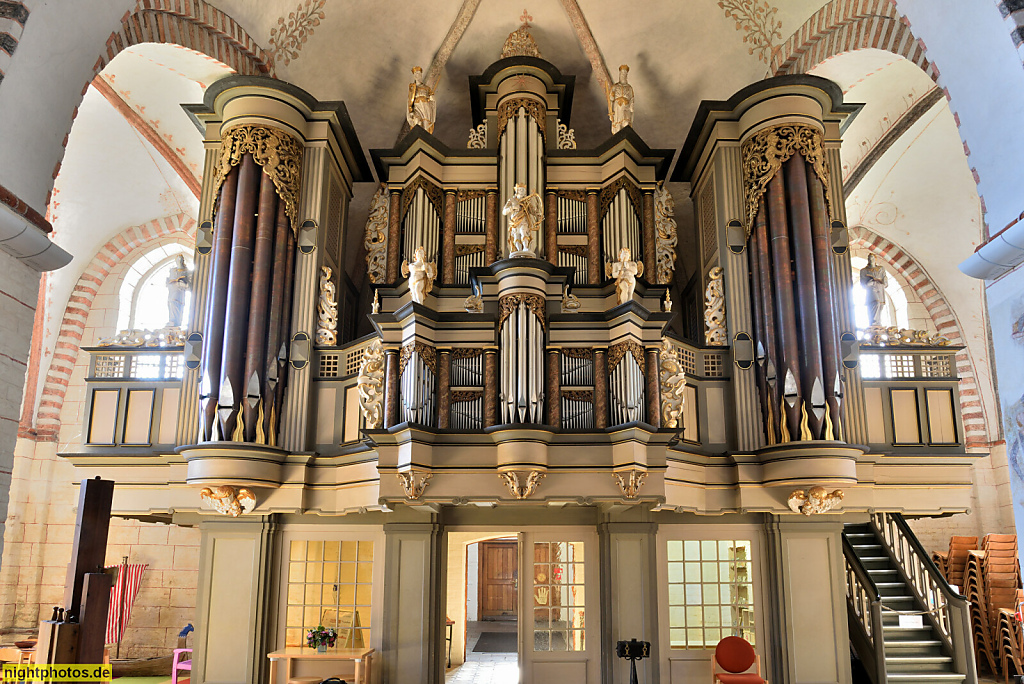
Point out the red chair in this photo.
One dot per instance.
(734, 655)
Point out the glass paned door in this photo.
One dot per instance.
(558, 633)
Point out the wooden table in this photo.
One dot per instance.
(362, 657)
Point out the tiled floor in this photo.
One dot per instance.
(485, 668)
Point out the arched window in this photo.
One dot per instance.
(896, 312)
(143, 294)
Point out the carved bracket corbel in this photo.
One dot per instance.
(630, 481)
(412, 485)
(228, 500)
(814, 501)
(522, 484)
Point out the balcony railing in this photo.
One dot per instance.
(132, 398)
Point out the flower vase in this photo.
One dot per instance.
(321, 648)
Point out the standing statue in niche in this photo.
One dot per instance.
(625, 271)
(873, 279)
(525, 216)
(620, 102)
(421, 274)
(422, 105)
(178, 281)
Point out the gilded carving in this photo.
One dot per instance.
(136, 337)
(579, 395)
(883, 336)
(474, 304)
(509, 303)
(566, 137)
(412, 485)
(673, 385)
(578, 352)
(426, 352)
(520, 43)
(466, 395)
(327, 310)
(370, 384)
(714, 309)
(376, 236)
(617, 351)
(278, 153)
(570, 302)
(477, 137)
(433, 193)
(228, 500)
(768, 150)
(665, 235)
(463, 250)
(609, 194)
(533, 108)
(525, 487)
(576, 195)
(630, 481)
(814, 501)
(577, 250)
(466, 352)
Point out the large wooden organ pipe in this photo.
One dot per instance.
(250, 292)
(790, 266)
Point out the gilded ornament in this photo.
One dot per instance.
(434, 195)
(477, 137)
(535, 109)
(370, 384)
(630, 481)
(327, 310)
(228, 500)
(509, 303)
(136, 337)
(673, 385)
(609, 194)
(714, 309)
(412, 485)
(524, 488)
(617, 351)
(893, 336)
(277, 152)
(579, 395)
(520, 43)
(474, 304)
(765, 153)
(466, 395)
(376, 236)
(665, 235)
(814, 501)
(426, 352)
(570, 302)
(566, 137)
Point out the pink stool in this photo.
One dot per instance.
(181, 664)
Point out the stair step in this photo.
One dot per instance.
(884, 571)
(895, 634)
(918, 660)
(897, 599)
(912, 643)
(926, 677)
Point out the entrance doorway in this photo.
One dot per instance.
(485, 608)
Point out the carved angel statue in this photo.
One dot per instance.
(370, 384)
(421, 274)
(620, 102)
(815, 500)
(422, 105)
(178, 280)
(228, 500)
(625, 271)
(525, 216)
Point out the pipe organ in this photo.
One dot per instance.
(620, 225)
(421, 226)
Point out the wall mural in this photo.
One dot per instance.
(1006, 307)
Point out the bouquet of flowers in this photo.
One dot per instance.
(321, 636)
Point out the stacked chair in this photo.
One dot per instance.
(990, 580)
(953, 563)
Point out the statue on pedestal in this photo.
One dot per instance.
(525, 216)
(873, 279)
(178, 281)
(620, 102)
(422, 105)
(625, 271)
(421, 274)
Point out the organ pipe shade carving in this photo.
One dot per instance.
(714, 309)
(278, 153)
(418, 377)
(666, 238)
(327, 310)
(532, 108)
(522, 359)
(620, 226)
(421, 226)
(370, 385)
(376, 236)
(764, 154)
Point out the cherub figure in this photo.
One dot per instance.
(421, 274)
(625, 271)
(525, 215)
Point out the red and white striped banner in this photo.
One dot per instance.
(122, 597)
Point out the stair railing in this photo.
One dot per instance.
(864, 611)
(945, 609)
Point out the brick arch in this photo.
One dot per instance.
(76, 315)
(845, 25)
(944, 319)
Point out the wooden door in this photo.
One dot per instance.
(498, 583)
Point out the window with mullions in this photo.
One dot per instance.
(558, 597)
(710, 592)
(329, 584)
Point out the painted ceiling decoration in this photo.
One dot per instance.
(756, 20)
(291, 33)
